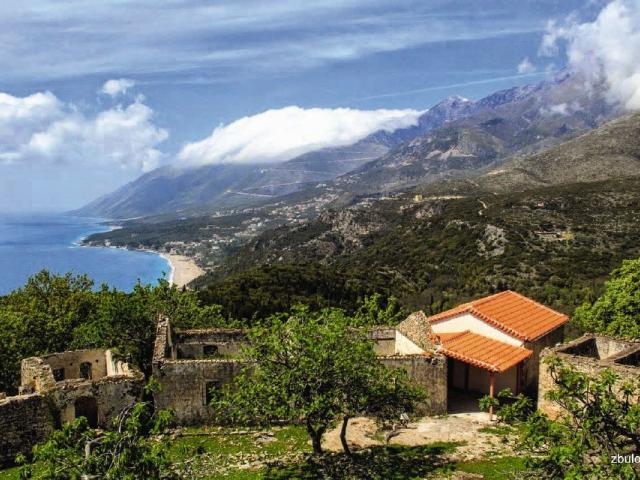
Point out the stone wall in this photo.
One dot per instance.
(589, 354)
(531, 368)
(184, 384)
(210, 343)
(416, 328)
(429, 372)
(112, 384)
(106, 398)
(25, 421)
(384, 340)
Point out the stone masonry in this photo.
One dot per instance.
(589, 354)
(25, 420)
(60, 387)
(189, 363)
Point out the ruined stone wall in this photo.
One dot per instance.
(531, 368)
(113, 384)
(35, 376)
(207, 343)
(429, 372)
(621, 352)
(183, 386)
(110, 395)
(25, 421)
(384, 340)
(184, 382)
(71, 362)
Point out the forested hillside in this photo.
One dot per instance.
(555, 244)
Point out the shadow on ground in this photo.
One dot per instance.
(388, 463)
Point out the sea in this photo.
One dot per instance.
(32, 242)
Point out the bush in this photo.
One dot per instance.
(509, 408)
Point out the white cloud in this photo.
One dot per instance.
(525, 66)
(193, 39)
(606, 49)
(41, 129)
(279, 135)
(117, 87)
(561, 109)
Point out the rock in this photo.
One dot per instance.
(466, 476)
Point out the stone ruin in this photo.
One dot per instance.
(60, 387)
(189, 364)
(590, 354)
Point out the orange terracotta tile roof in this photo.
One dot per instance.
(512, 313)
(481, 351)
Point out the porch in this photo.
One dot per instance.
(478, 366)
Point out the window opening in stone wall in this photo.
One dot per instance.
(58, 374)
(211, 388)
(85, 370)
(210, 350)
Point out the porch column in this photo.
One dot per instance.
(492, 385)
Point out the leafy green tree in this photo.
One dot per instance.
(127, 321)
(40, 317)
(600, 420)
(316, 368)
(127, 453)
(53, 313)
(617, 311)
(375, 311)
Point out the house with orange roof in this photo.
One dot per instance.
(495, 342)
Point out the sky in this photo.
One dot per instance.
(94, 94)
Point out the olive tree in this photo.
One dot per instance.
(617, 310)
(314, 367)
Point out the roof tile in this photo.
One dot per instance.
(511, 312)
(481, 351)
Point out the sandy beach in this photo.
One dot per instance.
(183, 269)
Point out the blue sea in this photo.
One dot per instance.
(30, 243)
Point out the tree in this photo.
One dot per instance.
(600, 420)
(40, 317)
(617, 311)
(127, 453)
(127, 321)
(374, 311)
(316, 368)
(54, 313)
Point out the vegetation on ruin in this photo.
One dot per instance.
(314, 368)
(600, 419)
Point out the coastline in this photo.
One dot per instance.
(183, 269)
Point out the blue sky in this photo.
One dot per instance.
(196, 65)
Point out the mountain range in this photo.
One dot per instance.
(534, 188)
(551, 225)
(455, 138)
